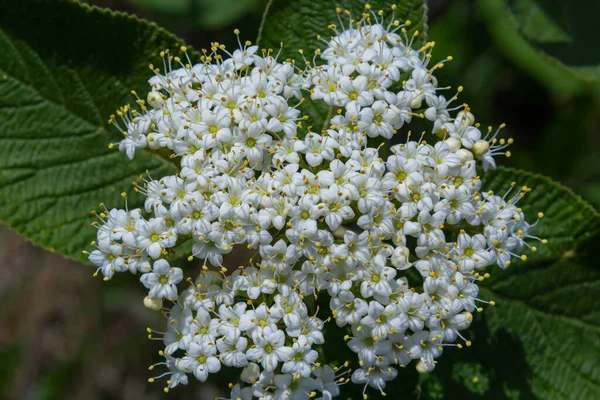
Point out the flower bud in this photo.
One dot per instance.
(480, 148)
(154, 305)
(453, 144)
(250, 373)
(466, 117)
(416, 102)
(468, 316)
(400, 258)
(422, 368)
(155, 99)
(465, 155)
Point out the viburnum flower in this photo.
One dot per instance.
(162, 280)
(386, 244)
(269, 348)
(200, 361)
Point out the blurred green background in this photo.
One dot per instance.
(65, 335)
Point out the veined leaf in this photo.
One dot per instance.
(56, 93)
(542, 338)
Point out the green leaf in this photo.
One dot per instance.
(216, 13)
(536, 25)
(297, 23)
(57, 90)
(550, 39)
(592, 192)
(561, 30)
(541, 340)
(208, 14)
(170, 7)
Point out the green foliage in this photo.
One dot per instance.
(492, 70)
(296, 24)
(561, 30)
(550, 39)
(204, 13)
(536, 25)
(56, 92)
(174, 7)
(541, 340)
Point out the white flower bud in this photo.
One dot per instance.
(400, 258)
(453, 144)
(250, 373)
(480, 148)
(155, 99)
(466, 117)
(468, 316)
(422, 368)
(416, 102)
(154, 305)
(465, 155)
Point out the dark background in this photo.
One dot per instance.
(64, 334)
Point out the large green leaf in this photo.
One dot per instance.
(297, 24)
(542, 339)
(64, 69)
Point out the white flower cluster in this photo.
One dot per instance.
(331, 221)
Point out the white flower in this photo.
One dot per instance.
(304, 215)
(204, 328)
(269, 348)
(232, 350)
(424, 346)
(379, 120)
(162, 280)
(273, 386)
(279, 256)
(316, 148)
(283, 118)
(230, 317)
(302, 360)
(312, 330)
(456, 204)
(437, 111)
(259, 319)
(123, 225)
(294, 311)
(376, 280)
(383, 321)
(240, 393)
(462, 130)
(367, 348)
(109, 258)
(376, 377)
(336, 208)
(201, 361)
(178, 333)
(154, 236)
(400, 258)
(327, 382)
(471, 252)
(415, 307)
